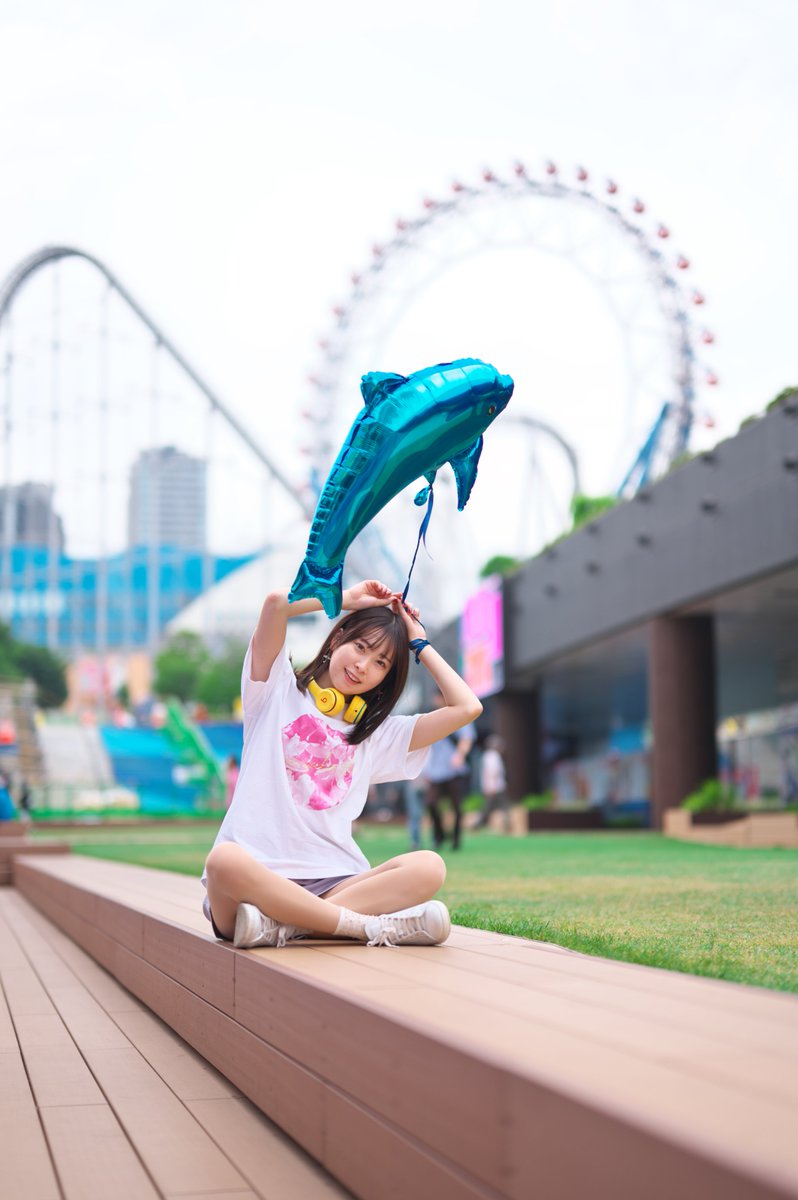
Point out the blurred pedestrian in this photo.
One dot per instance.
(7, 810)
(23, 798)
(414, 810)
(493, 782)
(231, 779)
(446, 774)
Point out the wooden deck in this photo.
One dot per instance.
(100, 1099)
(489, 1067)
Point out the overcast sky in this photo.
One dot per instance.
(233, 163)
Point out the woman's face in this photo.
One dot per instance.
(360, 665)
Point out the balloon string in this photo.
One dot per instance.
(422, 537)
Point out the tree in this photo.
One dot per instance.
(220, 683)
(500, 564)
(45, 669)
(8, 667)
(179, 666)
(788, 393)
(20, 660)
(585, 508)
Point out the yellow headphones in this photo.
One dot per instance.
(332, 703)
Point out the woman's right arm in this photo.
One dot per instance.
(461, 705)
(269, 636)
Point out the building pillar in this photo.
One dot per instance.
(518, 722)
(682, 706)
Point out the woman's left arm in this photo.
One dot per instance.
(460, 704)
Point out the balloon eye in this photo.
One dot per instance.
(491, 409)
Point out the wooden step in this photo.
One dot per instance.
(13, 844)
(488, 1067)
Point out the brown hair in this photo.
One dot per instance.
(374, 626)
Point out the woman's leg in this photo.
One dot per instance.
(401, 882)
(234, 877)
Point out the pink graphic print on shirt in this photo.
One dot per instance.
(318, 763)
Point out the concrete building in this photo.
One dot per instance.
(168, 500)
(668, 613)
(28, 518)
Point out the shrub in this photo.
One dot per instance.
(786, 394)
(712, 796)
(536, 803)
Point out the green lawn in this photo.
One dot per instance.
(730, 914)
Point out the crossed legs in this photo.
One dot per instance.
(234, 877)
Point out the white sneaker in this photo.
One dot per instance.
(425, 925)
(253, 928)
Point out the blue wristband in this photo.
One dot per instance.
(417, 645)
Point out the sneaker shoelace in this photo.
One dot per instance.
(392, 935)
(384, 937)
(289, 933)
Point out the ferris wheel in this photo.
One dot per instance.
(578, 295)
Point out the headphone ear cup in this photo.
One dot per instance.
(328, 700)
(355, 710)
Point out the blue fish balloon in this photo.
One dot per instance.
(408, 428)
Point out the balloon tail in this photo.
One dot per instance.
(422, 537)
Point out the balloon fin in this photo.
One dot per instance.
(421, 497)
(465, 471)
(313, 581)
(379, 383)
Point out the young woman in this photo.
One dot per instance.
(285, 864)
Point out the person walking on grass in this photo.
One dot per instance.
(493, 782)
(284, 864)
(446, 774)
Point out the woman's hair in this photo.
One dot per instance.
(374, 626)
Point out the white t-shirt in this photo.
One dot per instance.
(301, 783)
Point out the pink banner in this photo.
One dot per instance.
(482, 639)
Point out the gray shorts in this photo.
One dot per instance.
(317, 887)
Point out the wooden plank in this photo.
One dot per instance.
(175, 1149)
(684, 1036)
(288, 1094)
(94, 1157)
(102, 986)
(755, 1025)
(27, 1169)
(423, 1085)
(565, 1151)
(701, 1116)
(197, 962)
(277, 1166)
(185, 1071)
(211, 1196)
(57, 1072)
(377, 1160)
(731, 997)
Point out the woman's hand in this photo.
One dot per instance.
(410, 616)
(368, 594)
